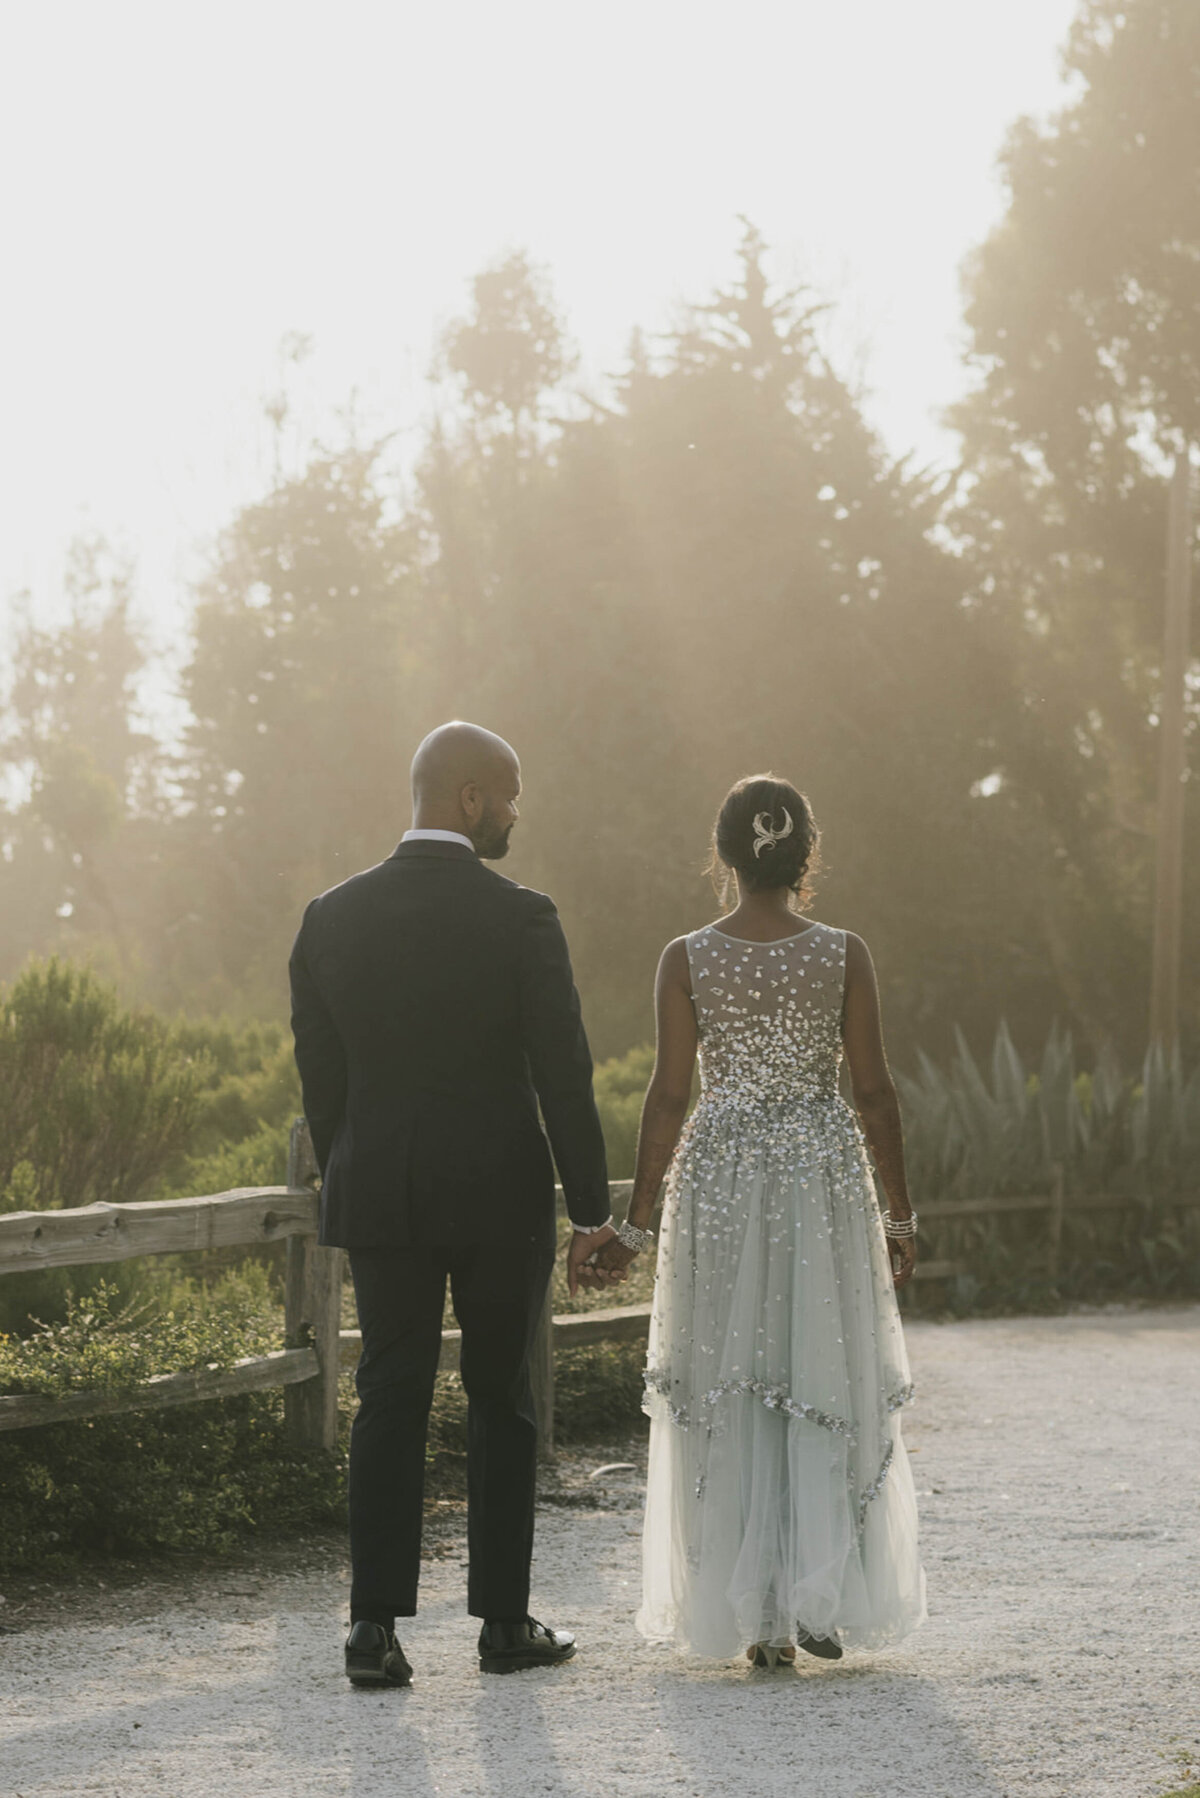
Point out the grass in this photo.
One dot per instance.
(1185, 1764)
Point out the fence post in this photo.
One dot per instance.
(1056, 1219)
(542, 1373)
(312, 1314)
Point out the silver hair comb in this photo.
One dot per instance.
(764, 836)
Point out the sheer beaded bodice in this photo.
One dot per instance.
(769, 1016)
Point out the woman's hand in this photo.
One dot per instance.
(903, 1251)
(615, 1260)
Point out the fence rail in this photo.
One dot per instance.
(32, 1240)
(308, 1365)
(316, 1349)
(257, 1373)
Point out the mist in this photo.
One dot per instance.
(676, 416)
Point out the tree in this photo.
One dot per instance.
(535, 624)
(87, 781)
(718, 571)
(296, 758)
(1084, 311)
(510, 353)
(809, 623)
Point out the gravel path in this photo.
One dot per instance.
(1058, 1469)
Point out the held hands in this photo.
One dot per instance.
(598, 1258)
(583, 1246)
(615, 1260)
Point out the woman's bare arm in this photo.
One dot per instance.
(667, 1096)
(874, 1090)
(670, 1087)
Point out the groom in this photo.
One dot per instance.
(433, 1007)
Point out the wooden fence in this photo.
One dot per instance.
(316, 1348)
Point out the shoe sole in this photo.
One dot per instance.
(520, 1663)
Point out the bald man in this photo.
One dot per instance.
(433, 1007)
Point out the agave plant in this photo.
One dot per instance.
(1014, 1129)
(1163, 1137)
(972, 1134)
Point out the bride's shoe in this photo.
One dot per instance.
(824, 1647)
(763, 1655)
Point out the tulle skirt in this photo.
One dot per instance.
(779, 1493)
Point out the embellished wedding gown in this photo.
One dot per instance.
(779, 1490)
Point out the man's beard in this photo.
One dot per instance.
(491, 839)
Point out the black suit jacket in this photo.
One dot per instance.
(433, 1006)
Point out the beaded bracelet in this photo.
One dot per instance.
(630, 1237)
(899, 1229)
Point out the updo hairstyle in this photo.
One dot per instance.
(747, 839)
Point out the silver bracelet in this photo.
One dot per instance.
(900, 1229)
(630, 1237)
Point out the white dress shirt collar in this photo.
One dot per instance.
(438, 836)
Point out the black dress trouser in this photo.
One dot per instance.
(497, 1289)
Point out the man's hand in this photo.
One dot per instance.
(582, 1246)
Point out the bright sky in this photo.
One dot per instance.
(184, 182)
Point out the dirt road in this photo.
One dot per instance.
(1057, 1460)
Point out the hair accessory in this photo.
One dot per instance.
(764, 836)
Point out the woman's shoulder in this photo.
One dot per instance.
(675, 954)
(858, 956)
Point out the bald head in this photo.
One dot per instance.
(467, 779)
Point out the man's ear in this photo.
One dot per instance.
(471, 801)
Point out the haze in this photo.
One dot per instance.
(185, 185)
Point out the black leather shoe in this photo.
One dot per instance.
(508, 1647)
(375, 1658)
(824, 1647)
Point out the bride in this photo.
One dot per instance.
(780, 1509)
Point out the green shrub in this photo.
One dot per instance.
(197, 1477)
(257, 1160)
(598, 1391)
(99, 1101)
(597, 1396)
(620, 1088)
(248, 1093)
(106, 1344)
(107, 1103)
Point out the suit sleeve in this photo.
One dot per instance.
(561, 1064)
(320, 1054)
